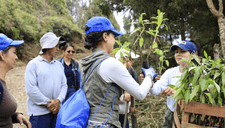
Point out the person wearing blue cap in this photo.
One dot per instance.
(183, 49)
(109, 74)
(8, 105)
(46, 83)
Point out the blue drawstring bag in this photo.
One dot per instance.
(74, 112)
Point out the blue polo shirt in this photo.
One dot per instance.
(69, 74)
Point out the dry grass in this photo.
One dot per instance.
(150, 111)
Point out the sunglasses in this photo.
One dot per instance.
(70, 51)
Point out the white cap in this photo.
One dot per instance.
(124, 53)
(50, 40)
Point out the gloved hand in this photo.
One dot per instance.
(150, 71)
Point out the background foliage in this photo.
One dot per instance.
(29, 20)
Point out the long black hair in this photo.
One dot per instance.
(92, 39)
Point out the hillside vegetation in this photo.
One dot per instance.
(30, 19)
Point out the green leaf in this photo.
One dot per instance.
(210, 88)
(217, 87)
(184, 60)
(115, 50)
(155, 22)
(216, 75)
(205, 54)
(210, 98)
(220, 101)
(194, 91)
(177, 93)
(223, 78)
(121, 54)
(118, 43)
(202, 83)
(161, 58)
(137, 29)
(141, 41)
(126, 44)
(151, 32)
(187, 96)
(159, 52)
(196, 75)
(126, 48)
(154, 18)
(196, 58)
(155, 45)
(141, 18)
(172, 86)
(215, 84)
(167, 28)
(202, 98)
(167, 63)
(159, 12)
(223, 90)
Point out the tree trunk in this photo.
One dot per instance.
(216, 52)
(221, 21)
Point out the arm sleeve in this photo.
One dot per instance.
(31, 86)
(63, 91)
(14, 117)
(113, 71)
(161, 84)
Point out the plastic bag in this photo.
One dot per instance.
(74, 112)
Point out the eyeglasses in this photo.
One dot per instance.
(70, 51)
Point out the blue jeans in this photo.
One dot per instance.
(43, 121)
(70, 92)
(121, 119)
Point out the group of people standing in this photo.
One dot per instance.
(50, 82)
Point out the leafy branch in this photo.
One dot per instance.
(203, 82)
(153, 46)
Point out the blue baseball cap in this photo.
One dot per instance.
(99, 23)
(185, 45)
(6, 41)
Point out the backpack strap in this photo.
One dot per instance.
(101, 104)
(91, 70)
(1, 92)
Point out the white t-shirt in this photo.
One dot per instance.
(166, 79)
(113, 71)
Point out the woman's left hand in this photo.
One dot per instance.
(23, 120)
